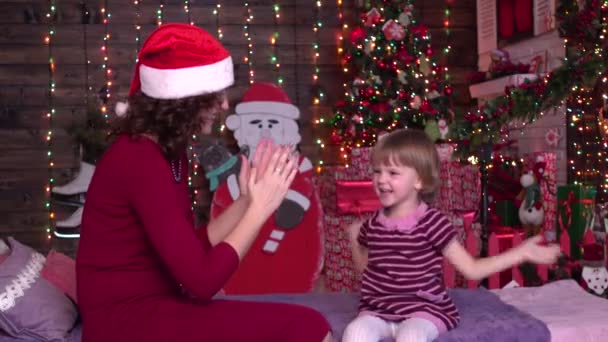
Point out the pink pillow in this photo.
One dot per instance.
(60, 270)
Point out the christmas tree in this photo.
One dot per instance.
(584, 25)
(394, 81)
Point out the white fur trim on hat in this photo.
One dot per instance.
(168, 84)
(268, 107)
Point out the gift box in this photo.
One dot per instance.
(356, 197)
(360, 161)
(334, 184)
(575, 206)
(460, 188)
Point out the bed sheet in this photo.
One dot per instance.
(570, 313)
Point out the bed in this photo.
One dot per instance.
(560, 311)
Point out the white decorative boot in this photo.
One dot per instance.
(73, 192)
(70, 227)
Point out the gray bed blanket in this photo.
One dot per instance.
(484, 317)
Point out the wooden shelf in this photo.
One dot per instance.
(496, 87)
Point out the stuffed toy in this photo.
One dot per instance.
(595, 274)
(531, 211)
(287, 254)
(218, 163)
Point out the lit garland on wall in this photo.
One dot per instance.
(216, 12)
(105, 64)
(447, 16)
(187, 10)
(317, 25)
(159, 13)
(51, 15)
(86, 16)
(340, 51)
(274, 59)
(249, 57)
(317, 92)
(137, 4)
(192, 156)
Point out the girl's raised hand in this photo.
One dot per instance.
(533, 251)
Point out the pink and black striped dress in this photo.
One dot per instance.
(403, 277)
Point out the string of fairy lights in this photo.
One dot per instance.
(317, 25)
(106, 61)
(187, 10)
(447, 17)
(192, 156)
(249, 57)
(159, 13)
(340, 51)
(51, 16)
(216, 12)
(317, 95)
(138, 22)
(274, 58)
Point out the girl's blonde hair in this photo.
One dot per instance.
(411, 148)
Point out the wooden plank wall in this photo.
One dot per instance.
(24, 77)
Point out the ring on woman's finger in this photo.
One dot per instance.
(277, 170)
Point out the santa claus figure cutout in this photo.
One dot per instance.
(287, 254)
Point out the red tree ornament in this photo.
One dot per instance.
(357, 35)
(404, 58)
(448, 90)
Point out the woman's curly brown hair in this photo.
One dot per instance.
(173, 122)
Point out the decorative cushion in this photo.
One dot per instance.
(4, 251)
(60, 270)
(30, 307)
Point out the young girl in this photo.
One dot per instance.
(400, 248)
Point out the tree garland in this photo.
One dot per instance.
(583, 30)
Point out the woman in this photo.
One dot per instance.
(143, 275)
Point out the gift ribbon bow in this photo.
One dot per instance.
(356, 197)
(567, 205)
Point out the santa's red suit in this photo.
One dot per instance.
(285, 259)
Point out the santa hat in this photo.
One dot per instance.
(593, 255)
(178, 61)
(539, 170)
(267, 98)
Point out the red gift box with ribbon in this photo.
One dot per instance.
(576, 205)
(341, 182)
(356, 197)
